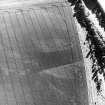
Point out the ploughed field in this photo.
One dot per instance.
(40, 57)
